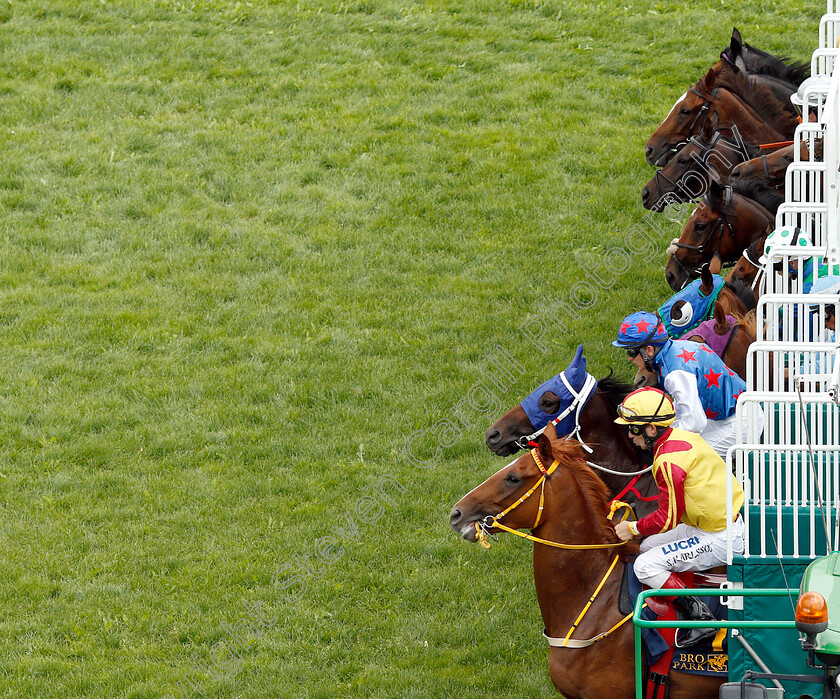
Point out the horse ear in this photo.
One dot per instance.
(715, 264)
(544, 449)
(715, 194)
(735, 44)
(576, 371)
(707, 283)
(709, 80)
(721, 324)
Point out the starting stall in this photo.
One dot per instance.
(788, 458)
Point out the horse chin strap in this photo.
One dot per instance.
(580, 400)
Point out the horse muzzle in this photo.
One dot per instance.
(499, 444)
(463, 524)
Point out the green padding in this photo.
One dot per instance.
(778, 648)
(790, 415)
(771, 532)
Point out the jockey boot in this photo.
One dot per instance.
(696, 610)
(659, 605)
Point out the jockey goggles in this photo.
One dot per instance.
(635, 417)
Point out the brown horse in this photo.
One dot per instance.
(688, 175)
(611, 448)
(708, 107)
(575, 514)
(768, 168)
(722, 225)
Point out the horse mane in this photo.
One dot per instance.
(743, 293)
(613, 389)
(780, 67)
(570, 454)
(769, 197)
(760, 98)
(746, 320)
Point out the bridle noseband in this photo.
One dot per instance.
(483, 526)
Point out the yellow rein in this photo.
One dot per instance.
(481, 533)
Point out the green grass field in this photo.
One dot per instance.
(247, 250)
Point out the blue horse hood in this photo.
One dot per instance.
(696, 307)
(576, 375)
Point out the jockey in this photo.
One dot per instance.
(688, 530)
(704, 389)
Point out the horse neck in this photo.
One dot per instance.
(566, 579)
(610, 448)
(752, 128)
(761, 101)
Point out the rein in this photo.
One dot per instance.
(483, 527)
(569, 642)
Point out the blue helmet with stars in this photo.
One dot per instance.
(640, 329)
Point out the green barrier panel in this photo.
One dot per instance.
(781, 650)
(639, 623)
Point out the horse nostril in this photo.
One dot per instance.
(648, 152)
(492, 437)
(735, 175)
(645, 195)
(455, 517)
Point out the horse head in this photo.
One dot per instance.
(690, 306)
(687, 118)
(560, 395)
(553, 464)
(768, 169)
(747, 267)
(688, 175)
(723, 224)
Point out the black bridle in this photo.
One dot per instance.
(704, 112)
(699, 164)
(716, 230)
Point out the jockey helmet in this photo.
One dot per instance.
(640, 329)
(646, 406)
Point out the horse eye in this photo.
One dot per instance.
(685, 112)
(682, 161)
(513, 479)
(549, 403)
(700, 226)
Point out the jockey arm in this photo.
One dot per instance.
(682, 386)
(670, 479)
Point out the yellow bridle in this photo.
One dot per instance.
(482, 527)
(481, 530)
